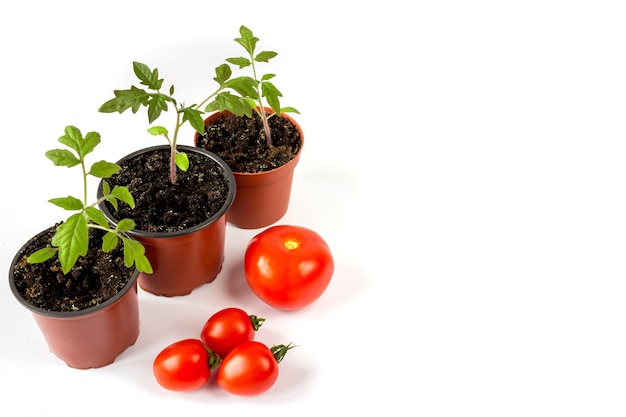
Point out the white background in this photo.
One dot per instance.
(464, 160)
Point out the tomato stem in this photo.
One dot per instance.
(291, 244)
(256, 321)
(279, 351)
(214, 358)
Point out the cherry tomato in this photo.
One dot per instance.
(251, 368)
(184, 365)
(288, 267)
(228, 328)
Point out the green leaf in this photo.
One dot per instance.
(248, 105)
(147, 77)
(72, 240)
(267, 77)
(104, 169)
(41, 255)
(212, 106)
(274, 103)
(125, 225)
(265, 56)
(251, 104)
(234, 104)
(158, 130)
(218, 103)
(112, 201)
(134, 254)
(271, 93)
(126, 99)
(288, 110)
(269, 90)
(182, 161)
(97, 216)
(222, 74)
(194, 117)
(121, 193)
(109, 242)
(241, 62)
(247, 40)
(106, 188)
(62, 157)
(92, 139)
(72, 139)
(67, 203)
(143, 264)
(246, 86)
(156, 105)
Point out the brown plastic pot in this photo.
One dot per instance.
(89, 338)
(186, 259)
(262, 197)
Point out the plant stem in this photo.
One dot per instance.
(173, 150)
(97, 226)
(179, 124)
(82, 165)
(266, 126)
(173, 165)
(199, 106)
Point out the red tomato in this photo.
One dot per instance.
(251, 368)
(228, 328)
(184, 365)
(288, 267)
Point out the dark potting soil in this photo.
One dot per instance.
(240, 142)
(160, 206)
(94, 279)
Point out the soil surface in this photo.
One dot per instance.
(240, 142)
(94, 279)
(161, 206)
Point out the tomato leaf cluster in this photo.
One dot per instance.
(71, 239)
(250, 91)
(156, 102)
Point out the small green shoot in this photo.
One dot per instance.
(156, 101)
(71, 239)
(251, 90)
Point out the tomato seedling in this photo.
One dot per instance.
(229, 327)
(71, 239)
(184, 365)
(249, 91)
(251, 368)
(288, 267)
